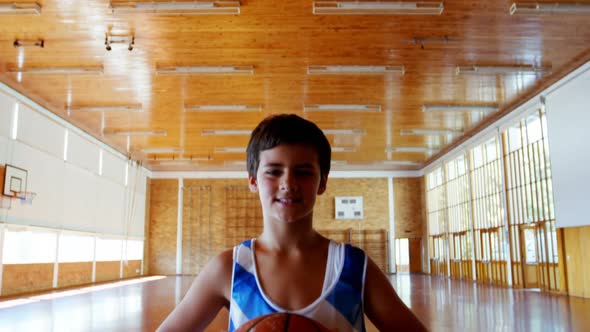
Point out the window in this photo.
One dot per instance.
(108, 249)
(27, 247)
(76, 248)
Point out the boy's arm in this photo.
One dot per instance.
(383, 306)
(208, 293)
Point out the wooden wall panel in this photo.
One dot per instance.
(163, 205)
(108, 271)
(162, 232)
(415, 255)
(577, 247)
(25, 278)
(407, 193)
(71, 274)
(375, 201)
(132, 269)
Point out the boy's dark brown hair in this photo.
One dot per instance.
(287, 129)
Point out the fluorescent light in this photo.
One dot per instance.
(20, 8)
(58, 70)
(120, 108)
(338, 162)
(433, 132)
(184, 159)
(223, 108)
(125, 132)
(226, 132)
(344, 131)
(459, 108)
(549, 8)
(204, 70)
(234, 163)
(236, 149)
(355, 70)
(377, 7)
(343, 149)
(411, 149)
(342, 107)
(483, 70)
(186, 7)
(161, 150)
(175, 162)
(401, 163)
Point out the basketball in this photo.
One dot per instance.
(282, 321)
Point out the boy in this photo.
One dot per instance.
(291, 267)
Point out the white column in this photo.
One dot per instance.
(392, 261)
(2, 229)
(179, 228)
(56, 260)
(505, 209)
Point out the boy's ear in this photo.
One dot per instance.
(253, 184)
(323, 184)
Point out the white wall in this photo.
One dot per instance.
(568, 126)
(72, 192)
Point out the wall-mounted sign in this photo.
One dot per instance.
(349, 207)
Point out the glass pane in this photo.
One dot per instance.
(76, 248)
(514, 142)
(108, 249)
(530, 246)
(534, 129)
(28, 247)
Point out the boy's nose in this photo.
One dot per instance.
(288, 182)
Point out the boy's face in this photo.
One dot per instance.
(288, 180)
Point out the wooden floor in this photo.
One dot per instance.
(442, 304)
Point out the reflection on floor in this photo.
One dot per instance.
(442, 304)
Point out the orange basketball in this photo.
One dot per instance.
(282, 321)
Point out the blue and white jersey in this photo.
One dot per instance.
(339, 307)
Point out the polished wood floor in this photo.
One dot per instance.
(442, 304)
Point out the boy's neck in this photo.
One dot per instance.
(285, 237)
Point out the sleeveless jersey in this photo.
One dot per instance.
(339, 307)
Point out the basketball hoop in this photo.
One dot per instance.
(26, 197)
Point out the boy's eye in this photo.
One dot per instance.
(274, 172)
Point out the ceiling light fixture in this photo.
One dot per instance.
(127, 132)
(338, 162)
(459, 108)
(343, 149)
(125, 39)
(240, 163)
(401, 163)
(344, 131)
(431, 132)
(490, 70)
(177, 8)
(377, 7)
(58, 70)
(342, 107)
(549, 8)
(411, 149)
(117, 108)
(29, 43)
(235, 149)
(20, 8)
(354, 70)
(185, 159)
(222, 108)
(205, 70)
(161, 150)
(226, 132)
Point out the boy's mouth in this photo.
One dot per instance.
(288, 200)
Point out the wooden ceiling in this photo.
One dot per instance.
(280, 40)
